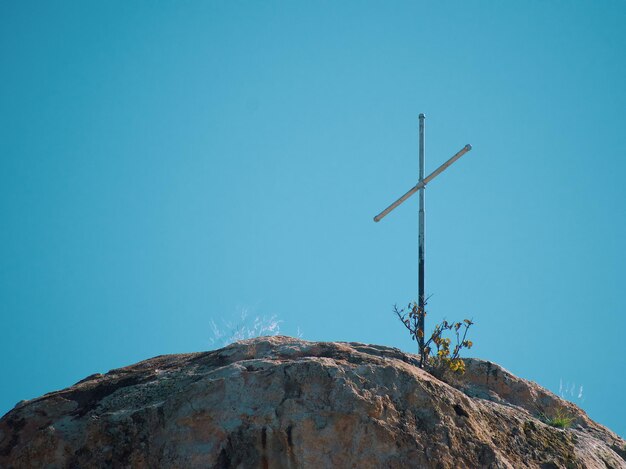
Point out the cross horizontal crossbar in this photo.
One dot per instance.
(423, 183)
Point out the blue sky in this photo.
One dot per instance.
(164, 165)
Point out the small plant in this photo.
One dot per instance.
(435, 353)
(245, 328)
(560, 418)
(571, 392)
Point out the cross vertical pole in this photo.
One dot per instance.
(420, 265)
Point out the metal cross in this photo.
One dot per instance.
(420, 186)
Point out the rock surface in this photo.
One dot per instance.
(280, 402)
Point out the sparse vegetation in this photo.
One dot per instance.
(245, 328)
(435, 353)
(559, 418)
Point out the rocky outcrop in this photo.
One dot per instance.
(279, 402)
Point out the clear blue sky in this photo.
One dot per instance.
(168, 164)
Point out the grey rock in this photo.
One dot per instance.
(280, 402)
